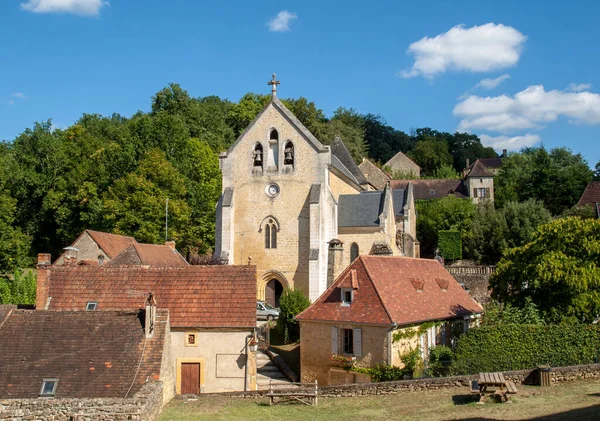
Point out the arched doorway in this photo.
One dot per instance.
(273, 291)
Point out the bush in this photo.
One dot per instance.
(450, 244)
(440, 359)
(383, 372)
(517, 347)
(18, 289)
(291, 303)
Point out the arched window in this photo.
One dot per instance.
(270, 235)
(353, 252)
(288, 154)
(273, 161)
(257, 155)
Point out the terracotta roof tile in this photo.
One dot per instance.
(197, 296)
(591, 194)
(399, 290)
(158, 255)
(111, 244)
(479, 170)
(432, 189)
(84, 350)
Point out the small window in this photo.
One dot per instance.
(347, 296)
(270, 235)
(91, 305)
(49, 387)
(432, 192)
(353, 252)
(100, 260)
(191, 339)
(348, 341)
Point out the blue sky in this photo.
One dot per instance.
(516, 72)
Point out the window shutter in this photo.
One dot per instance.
(487, 192)
(357, 342)
(334, 340)
(474, 192)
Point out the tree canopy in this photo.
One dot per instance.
(559, 270)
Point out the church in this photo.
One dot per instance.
(300, 209)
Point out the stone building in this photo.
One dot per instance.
(376, 178)
(400, 163)
(283, 191)
(358, 318)
(212, 314)
(98, 248)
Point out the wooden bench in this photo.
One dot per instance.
(501, 387)
(306, 393)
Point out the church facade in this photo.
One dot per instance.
(300, 210)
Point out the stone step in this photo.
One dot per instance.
(276, 377)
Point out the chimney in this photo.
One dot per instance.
(43, 282)
(150, 316)
(171, 244)
(504, 153)
(334, 260)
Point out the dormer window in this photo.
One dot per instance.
(91, 305)
(49, 387)
(347, 296)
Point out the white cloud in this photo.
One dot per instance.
(510, 143)
(19, 95)
(488, 84)
(281, 22)
(478, 49)
(528, 109)
(76, 7)
(578, 87)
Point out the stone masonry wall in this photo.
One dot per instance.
(143, 406)
(529, 377)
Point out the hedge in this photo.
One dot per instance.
(519, 347)
(450, 244)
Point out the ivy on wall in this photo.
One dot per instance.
(450, 244)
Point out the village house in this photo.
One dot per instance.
(83, 354)
(400, 163)
(101, 248)
(376, 300)
(212, 313)
(477, 184)
(591, 197)
(376, 178)
(284, 192)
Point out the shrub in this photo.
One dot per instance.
(450, 244)
(517, 347)
(440, 358)
(291, 303)
(18, 289)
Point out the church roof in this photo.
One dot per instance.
(159, 255)
(92, 354)
(339, 150)
(479, 170)
(197, 296)
(364, 209)
(373, 174)
(394, 290)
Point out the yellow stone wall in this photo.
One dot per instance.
(315, 352)
(339, 186)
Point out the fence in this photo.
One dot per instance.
(471, 270)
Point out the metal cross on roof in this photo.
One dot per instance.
(273, 82)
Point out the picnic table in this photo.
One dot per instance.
(306, 393)
(496, 381)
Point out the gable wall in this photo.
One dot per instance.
(88, 250)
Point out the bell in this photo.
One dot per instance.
(258, 157)
(288, 155)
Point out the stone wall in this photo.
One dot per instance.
(528, 377)
(475, 279)
(143, 406)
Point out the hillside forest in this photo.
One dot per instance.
(115, 173)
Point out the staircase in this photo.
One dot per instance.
(268, 372)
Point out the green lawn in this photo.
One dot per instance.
(570, 401)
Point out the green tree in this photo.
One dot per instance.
(242, 113)
(291, 303)
(449, 213)
(19, 288)
(597, 172)
(556, 178)
(431, 154)
(383, 140)
(559, 270)
(445, 172)
(352, 137)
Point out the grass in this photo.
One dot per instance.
(569, 401)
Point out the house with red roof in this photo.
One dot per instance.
(372, 314)
(212, 312)
(591, 196)
(96, 248)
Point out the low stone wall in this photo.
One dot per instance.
(528, 377)
(143, 406)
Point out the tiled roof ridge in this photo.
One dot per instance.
(387, 312)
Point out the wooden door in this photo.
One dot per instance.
(270, 292)
(190, 378)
